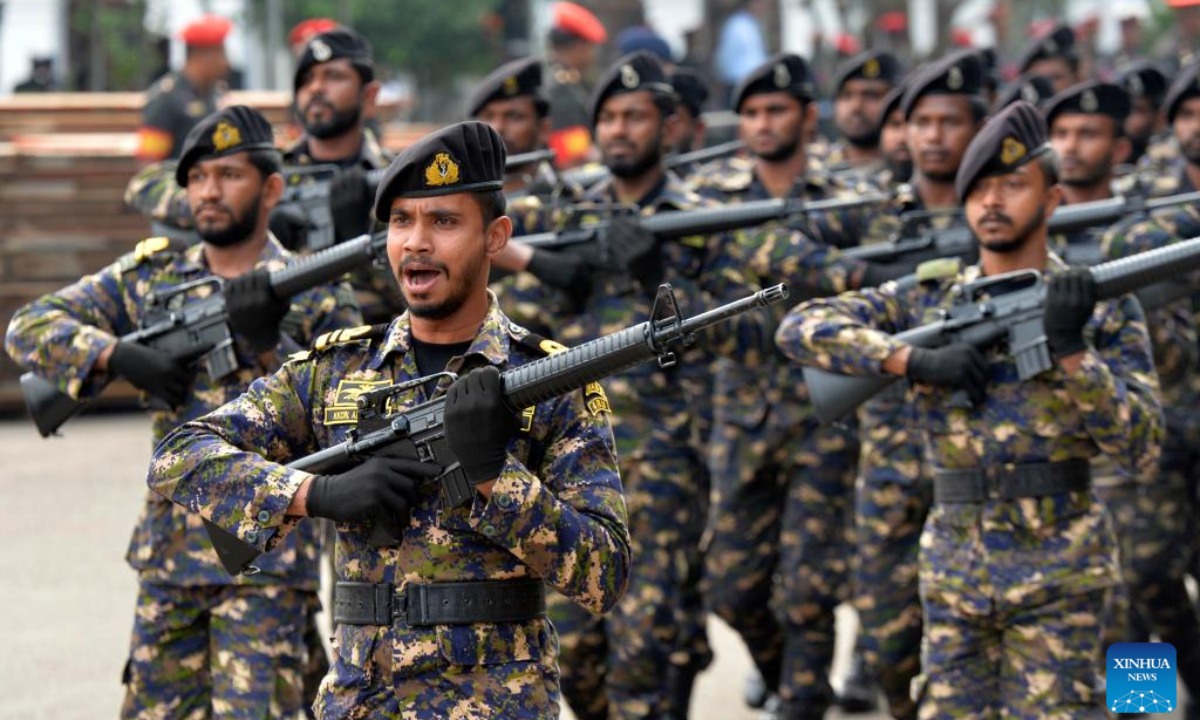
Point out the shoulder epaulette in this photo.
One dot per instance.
(148, 248)
(940, 269)
(345, 335)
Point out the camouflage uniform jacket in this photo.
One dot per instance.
(556, 510)
(1109, 405)
(656, 410)
(59, 337)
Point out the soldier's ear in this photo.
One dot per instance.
(497, 235)
(370, 96)
(272, 190)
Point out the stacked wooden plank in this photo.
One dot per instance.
(65, 160)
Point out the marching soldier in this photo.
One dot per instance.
(511, 99)
(859, 88)
(547, 508)
(1182, 111)
(692, 91)
(178, 100)
(1145, 127)
(334, 92)
(1017, 553)
(893, 143)
(574, 38)
(203, 643)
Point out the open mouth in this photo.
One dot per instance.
(420, 278)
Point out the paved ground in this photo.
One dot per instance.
(67, 506)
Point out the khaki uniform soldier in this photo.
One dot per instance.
(1018, 553)
(204, 644)
(547, 508)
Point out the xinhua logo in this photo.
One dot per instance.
(1140, 678)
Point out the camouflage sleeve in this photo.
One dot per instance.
(60, 335)
(226, 466)
(809, 267)
(1116, 388)
(850, 333)
(154, 193)
(1173, 337)
(567, 521)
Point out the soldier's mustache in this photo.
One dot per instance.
(319, 101)
(996, 217)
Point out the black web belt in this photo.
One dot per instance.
(452, 603)
(975, 485)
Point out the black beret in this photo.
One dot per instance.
(636, 71)
(234, 129)
(519, 78)
(891, 103)
(1058, 43)
(340, 42)
(871, 65)
(1144, 79)
(465, 157)
(691, 89)
(1185, 87)
(1090, 98)
(783, 72)
(1033, 89)
(959, 73)
(1011, 138)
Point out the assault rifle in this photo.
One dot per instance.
(959, 241)
(701, 221)
(199, 331)
(589, 175)
(1007, 308)
(306, 195)
(524, 386)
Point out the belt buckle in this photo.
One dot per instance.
(400, 608)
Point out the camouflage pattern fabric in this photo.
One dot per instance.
(777, 562)
(1010, 589)
(662, 419)
(217, 651)
(59, 337)
(556, 512)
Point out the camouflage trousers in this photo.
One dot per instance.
(778, 559)
(217, 651)
(636, 662)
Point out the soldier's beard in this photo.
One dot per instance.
(237, 231)
(337, 124)
(783, 152)
(462, 286)
(1020, 237)
(637, 165)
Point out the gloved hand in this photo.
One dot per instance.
(381, 490)
(959, 366)
(479, 424)
(151, 370)
(637, 250)
(1070, 302)
(254, 312)
(350, 200)
(877, 274)
(289, 226)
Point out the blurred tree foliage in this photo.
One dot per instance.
(111, 48)
(434, 39)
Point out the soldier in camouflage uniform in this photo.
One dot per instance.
(859, 87)
(335, 92)
(1145, 125)
(640, 661)
(941, 108)
(1182, 111)
(1015, 560)
(204, 644)
(547, 505)
(776, 565)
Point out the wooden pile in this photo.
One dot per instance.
(65, 159)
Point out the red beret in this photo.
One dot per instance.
(206, 31)
(578, 20)
(305, 30)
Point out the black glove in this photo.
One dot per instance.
(566, 270)
(958, 365)
(479, 424)
(382, 491)
(254, 312)
(637, 250)
(877, 274)
(151, 370)
(1070, 302)
(350, 200)
(289, 225)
